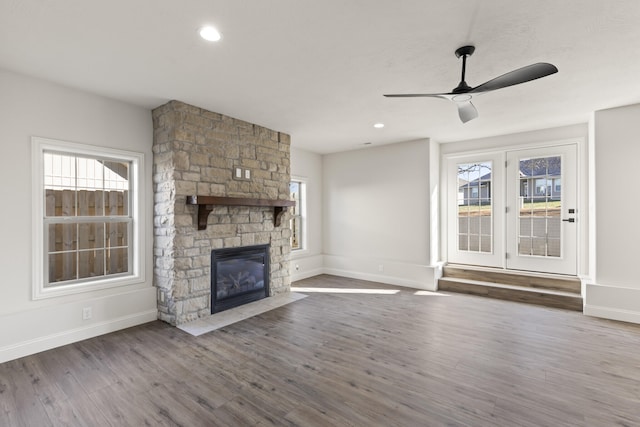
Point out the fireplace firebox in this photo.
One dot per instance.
(239, 276)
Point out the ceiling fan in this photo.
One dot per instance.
(463, 93)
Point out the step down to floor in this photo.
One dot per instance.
(533, 288)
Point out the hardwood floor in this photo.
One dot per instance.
(353, 357)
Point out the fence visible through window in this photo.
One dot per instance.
(87, 217)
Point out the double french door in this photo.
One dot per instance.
(514, 209)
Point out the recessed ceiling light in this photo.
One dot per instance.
(378, 125)
(210, 34)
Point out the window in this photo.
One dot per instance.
(543, 186)
(86, 218)
(298, 194)
(475, 216)
(557, 185)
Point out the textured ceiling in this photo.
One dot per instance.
(317, 69)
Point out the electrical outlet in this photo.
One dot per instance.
(297, 267)
(87, 313)
(381, 268)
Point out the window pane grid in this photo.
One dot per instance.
(295, 190)
(475, 211)
(80, 250)
(540, 207)
(76, 185)
(86, 217)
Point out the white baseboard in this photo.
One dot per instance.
(388, 280)
(360, 276)
(39, 344)
(612, 302)
(612, 313)
(295, 276)
(391, 272)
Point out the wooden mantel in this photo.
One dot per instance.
(206, 203)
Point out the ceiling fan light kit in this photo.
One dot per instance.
(463, 93)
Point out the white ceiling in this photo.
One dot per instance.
(317, 69)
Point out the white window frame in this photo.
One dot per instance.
(303, 214)
(136, 273)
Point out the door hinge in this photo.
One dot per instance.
(506, 209)
(506, 256)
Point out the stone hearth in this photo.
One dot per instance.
(196, 153)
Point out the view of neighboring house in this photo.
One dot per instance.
(539, 180)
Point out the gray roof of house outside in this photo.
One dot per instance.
(532, 168)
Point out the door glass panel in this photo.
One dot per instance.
(475, 213)
(540, 185)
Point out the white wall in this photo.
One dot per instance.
(31, 107)
(615, 292)
(376, 214)
(309, 261)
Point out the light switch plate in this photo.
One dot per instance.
(241, 174)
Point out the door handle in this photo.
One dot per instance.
(569, 220)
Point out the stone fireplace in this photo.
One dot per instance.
(198, 153)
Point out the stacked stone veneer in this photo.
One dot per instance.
(195, 153)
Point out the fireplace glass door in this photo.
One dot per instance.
(238, 276)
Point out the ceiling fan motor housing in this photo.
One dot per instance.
(465, 51)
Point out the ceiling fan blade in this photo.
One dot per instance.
(515, 77)
(416, 95)
(466, 111)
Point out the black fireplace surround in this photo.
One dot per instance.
(239, 276)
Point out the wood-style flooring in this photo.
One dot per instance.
(357, 354)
